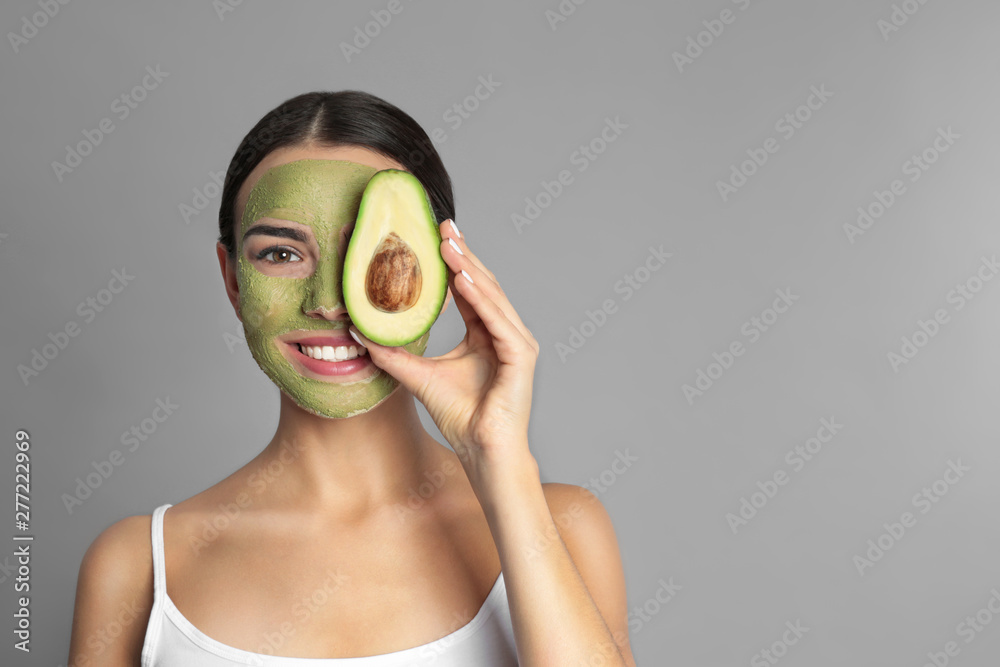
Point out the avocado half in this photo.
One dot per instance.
(395, 280)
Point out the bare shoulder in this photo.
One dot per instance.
(563, 496)
(578, 512)
(589, 534)
(114, 595)
(122, 550)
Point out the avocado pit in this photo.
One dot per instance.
(393, 280)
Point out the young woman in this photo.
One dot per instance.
(354, 538)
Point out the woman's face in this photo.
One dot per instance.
(295, 213)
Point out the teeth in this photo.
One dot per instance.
(331, 353)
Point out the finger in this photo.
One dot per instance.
(464, 307)
(412, 370)
(473, 322)
(481, 276)
(448, 232)
(508, 341)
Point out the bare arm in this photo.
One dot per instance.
(589, 535)
(563, 571)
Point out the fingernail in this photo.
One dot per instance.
(355, 337)
(467, 276)
(455, 245)
(455, 227)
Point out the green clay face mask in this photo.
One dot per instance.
(323, 195)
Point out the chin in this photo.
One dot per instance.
(319, 413)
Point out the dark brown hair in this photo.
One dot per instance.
(344, 118)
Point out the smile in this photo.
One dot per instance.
(320, 356)
(331, 353)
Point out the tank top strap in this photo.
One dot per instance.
(159, 567)
(156, 616)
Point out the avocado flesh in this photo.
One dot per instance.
(395, 280)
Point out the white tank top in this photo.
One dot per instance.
(172, 641)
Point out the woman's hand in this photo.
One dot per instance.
(478, 394)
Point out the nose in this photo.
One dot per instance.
(325, 299)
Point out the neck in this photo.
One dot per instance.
(350, 467)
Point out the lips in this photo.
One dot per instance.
(304, 350)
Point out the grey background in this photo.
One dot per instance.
(171, 332)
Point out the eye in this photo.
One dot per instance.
(283, 255)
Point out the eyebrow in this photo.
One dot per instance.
(272, 230)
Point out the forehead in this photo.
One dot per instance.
(317, 176)
(309, 192)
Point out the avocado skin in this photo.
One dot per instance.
(411, 217)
